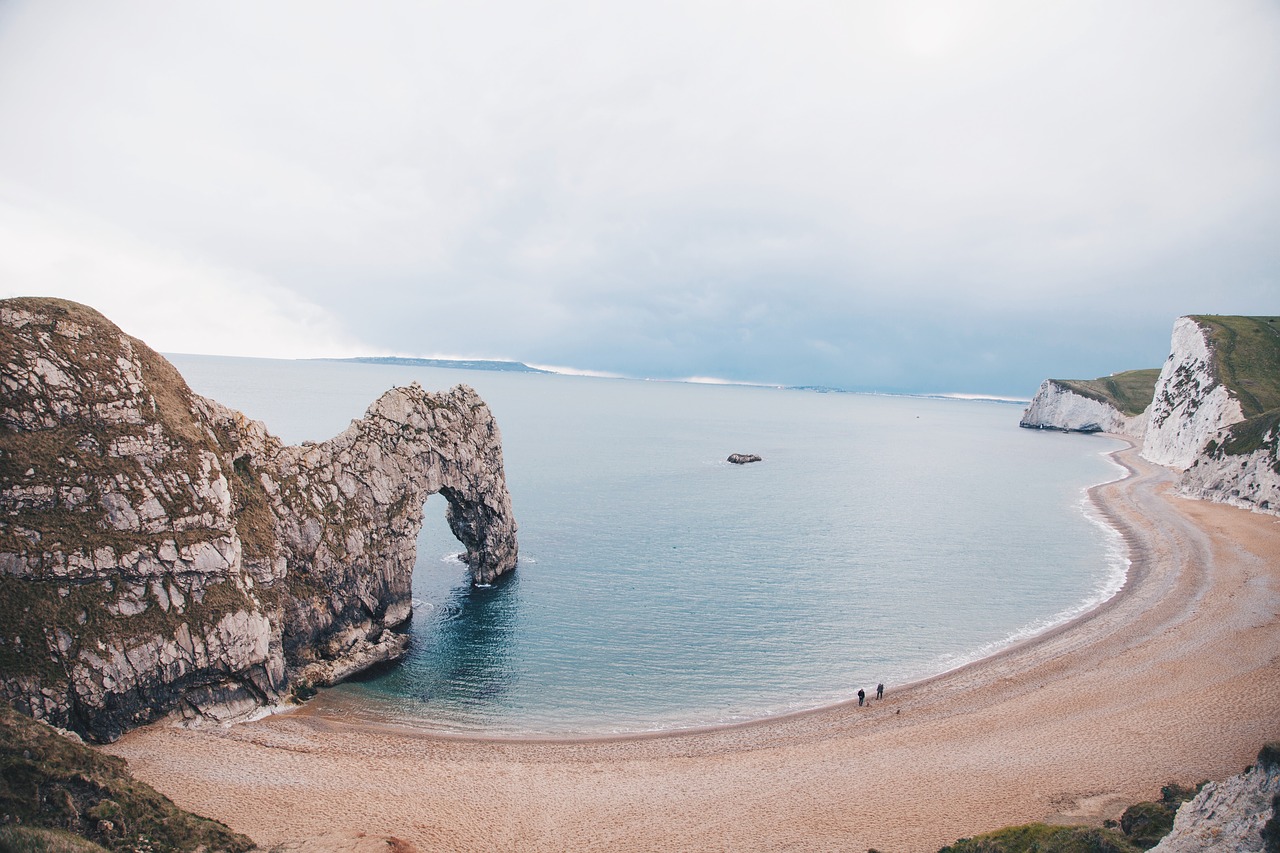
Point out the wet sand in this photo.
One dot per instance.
(1176, 678)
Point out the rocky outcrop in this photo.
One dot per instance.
(743, 458)
(1238, 815)
(1239, 466)
(161, 552)
(1191, 403)
(1058, 406)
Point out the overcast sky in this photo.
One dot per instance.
(905, 196)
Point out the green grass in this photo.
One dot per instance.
(51, 782)
(1130, 392)
(1247, 360)
(1244, 438)
(1042, 838)
(1247, 351)
(1144, 824)
(26, 839)
(1140, 828)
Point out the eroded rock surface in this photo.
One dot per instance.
(1191, 402)
(161, 552)
(1056, 406)
(1238, 815)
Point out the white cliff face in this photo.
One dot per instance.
(1190, 405)
(1186, 426)
(1226, 816)
(1250, 481)
(1056, 406)
(161, 552)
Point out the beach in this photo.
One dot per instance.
(1176, 678)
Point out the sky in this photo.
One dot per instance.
(921, 197)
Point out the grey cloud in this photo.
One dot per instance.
(909, 196)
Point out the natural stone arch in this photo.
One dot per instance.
(163, 552)
(348, 512)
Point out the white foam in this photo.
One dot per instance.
(1107, 587)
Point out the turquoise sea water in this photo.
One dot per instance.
(882, 539)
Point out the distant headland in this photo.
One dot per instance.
(447, 363)
(1211, 412)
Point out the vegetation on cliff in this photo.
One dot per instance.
(1246, 359)
(1129, 392)
(1140, 828)
(53, 788)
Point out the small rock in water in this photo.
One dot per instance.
(743, 458)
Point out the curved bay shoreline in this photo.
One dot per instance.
(1177, 677)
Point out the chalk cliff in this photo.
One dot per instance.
(1058, 406)
(1238, 815)
(1213, 412)
(1191, 403)
(161, 552)
(1239, 466)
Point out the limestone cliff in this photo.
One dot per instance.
(1191, 401)
(1239, 466)
(161, 552)
(1238, 815)
(1214, 410)
(1064, 405)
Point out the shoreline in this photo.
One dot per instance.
(1172, 678)
(312, 710)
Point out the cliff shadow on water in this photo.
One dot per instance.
(459, 656)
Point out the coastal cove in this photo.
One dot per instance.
(882, 539)
(1174, 678)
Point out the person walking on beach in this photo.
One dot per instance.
(862, 695)
(879, 691)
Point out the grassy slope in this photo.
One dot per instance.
(1247, 351)
(49, 781)
(1248, 359)
(1141, 828)
(1130, 392)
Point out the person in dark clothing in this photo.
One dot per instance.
(879, 691)
(862, 695)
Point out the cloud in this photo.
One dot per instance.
(837, 192)
(176, 303)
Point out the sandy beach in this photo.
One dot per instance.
(1175, 678)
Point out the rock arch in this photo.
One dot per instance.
(162, 552)
(348, 512)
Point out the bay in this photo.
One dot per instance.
(881, 539)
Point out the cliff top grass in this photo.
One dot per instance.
(1247, 358)
(52, 782)
(88, 345)
(1130, 392)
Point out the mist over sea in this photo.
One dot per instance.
(882, 539)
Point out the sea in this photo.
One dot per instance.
(881, 540)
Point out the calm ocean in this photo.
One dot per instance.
(882, 539)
